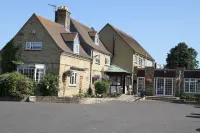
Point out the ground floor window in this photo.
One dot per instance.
(32, 71)
(192, 85)
(73, 79)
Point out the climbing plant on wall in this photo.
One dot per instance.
(10, 57)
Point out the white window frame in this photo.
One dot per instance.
(74, 77)
(30, 45)
(189, 80)
(97, 59)
(21, 69)
(76, 47)
(107, 61)
(96, 39)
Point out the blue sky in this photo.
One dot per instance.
(157, 25)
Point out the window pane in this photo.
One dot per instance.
(187, 79)
(192, 79)
(187, 86)
(36, 45)
(198, 87)
(73, 79)
(192, 87)
(28, 45)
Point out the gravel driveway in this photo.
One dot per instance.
(110, 117)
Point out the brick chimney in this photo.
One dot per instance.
(62, 16)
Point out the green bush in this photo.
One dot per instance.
(49, 85)
(16, 85)
(192, 97)
(101, 87)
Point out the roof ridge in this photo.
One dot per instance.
(118, 30)
(81, 24)
(40, 17)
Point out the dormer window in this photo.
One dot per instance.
(96, 39)
(76, 45)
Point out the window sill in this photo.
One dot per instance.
(32, 50)
(107, 65)
(72, 85)
(192, 92)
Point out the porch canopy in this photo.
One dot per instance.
(117, 70)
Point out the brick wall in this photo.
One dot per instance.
(149, 73)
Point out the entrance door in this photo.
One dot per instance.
(140, 84)
(164, 86)
(160, 86)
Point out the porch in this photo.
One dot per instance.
(119, 78)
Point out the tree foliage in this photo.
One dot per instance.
(16, 85)
(182, 56)
(101, 86)
(49, 85)
(9, 57)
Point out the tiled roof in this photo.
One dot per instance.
(84, 33)
(69, 37)
(55, 30)
(133, 43)
(92, 33)
(115, 69)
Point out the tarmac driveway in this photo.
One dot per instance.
(111, 117)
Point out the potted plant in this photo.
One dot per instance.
(148, 80)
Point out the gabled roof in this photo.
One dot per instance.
(115, 69)
(55, 30)
(132, 43)
(69, 37)
(84, 33)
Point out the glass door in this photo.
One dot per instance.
(160, 86)
(168, 86)
(140, 84)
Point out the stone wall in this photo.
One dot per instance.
(55, 99)
(149, 73)
(50, 53)
(83, 78)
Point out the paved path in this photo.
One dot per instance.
(110, 117)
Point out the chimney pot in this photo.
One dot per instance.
(62, 16)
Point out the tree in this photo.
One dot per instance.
(182, 56)
(10, 57)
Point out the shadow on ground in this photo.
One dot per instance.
(198, 129)
(193, 115)
(197, 106)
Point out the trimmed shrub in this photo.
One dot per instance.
(49, 85)
(192, 97)
(16, 85)
(101, 87)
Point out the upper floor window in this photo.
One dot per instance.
(135, 59)
(96, 39)
(33, 46)
(140, 61)
(107, 62)
(76, 48)
(76, 45)
(97, 59)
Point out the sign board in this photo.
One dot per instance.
(32, 99)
